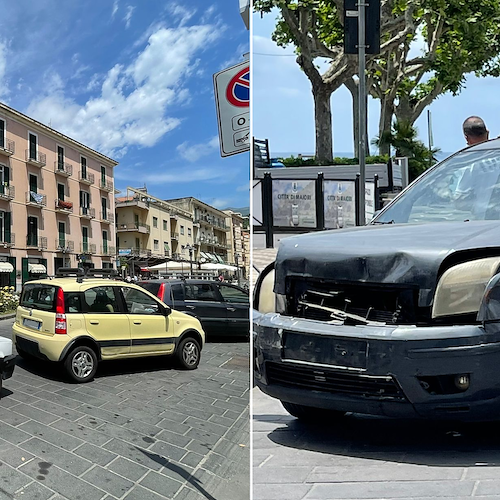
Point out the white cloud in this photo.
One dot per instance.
(243, 188)
(4, 90)
(195, 175)
(128, 16)
(194, 152)
(180, 12)
(220, 202)
(115, 9)
(132, 107)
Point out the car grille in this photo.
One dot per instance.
(333, 382)
(361, 303)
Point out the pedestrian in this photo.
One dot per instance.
(475, 130)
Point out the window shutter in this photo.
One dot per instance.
(6, 220)
(6, 174)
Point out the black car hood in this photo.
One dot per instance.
(394, 253)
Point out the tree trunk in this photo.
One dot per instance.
(323, 122)
(385, 123)
(353, 87)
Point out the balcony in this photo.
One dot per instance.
(33, 241)
(87, 248)
(106, 186)
(38, 159)
(87, 213)
(138, 227)
(7, 147)
(63, 245)
(36, 199)
(64, 207)
(8, 241)
(177, 256)
(166, 253)
(107, 250)
(7, 192)
(175, 236)
(63, 169)
(132, 203)
(107, 217)
(86, 177)
(133, 252)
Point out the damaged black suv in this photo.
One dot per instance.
(398, 318)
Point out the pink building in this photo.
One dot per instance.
(56, 201)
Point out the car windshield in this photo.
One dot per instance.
(464, 187)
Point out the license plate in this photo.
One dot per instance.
(31, 323)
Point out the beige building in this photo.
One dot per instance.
(235, 240)
(56, 201)
(245, 234)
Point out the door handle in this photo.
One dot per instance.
(94, 322)
(190, 307)
(137, 322)
(232, 309)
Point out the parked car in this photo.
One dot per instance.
(223, 309)
(7, 360)
(82, 320)
(398, 318)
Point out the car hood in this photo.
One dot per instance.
(395, 253)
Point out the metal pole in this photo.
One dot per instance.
(362, 108)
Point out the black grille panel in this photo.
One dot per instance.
(334, 382)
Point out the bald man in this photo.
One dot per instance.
(475, 130)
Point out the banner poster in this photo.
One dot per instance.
(340, 204)
(294, 203)
(369, 201)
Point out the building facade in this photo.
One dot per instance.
(235, 241)
(56, 201)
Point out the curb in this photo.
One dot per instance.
(7, 316)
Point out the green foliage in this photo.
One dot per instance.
(8, 299)
(292, 161)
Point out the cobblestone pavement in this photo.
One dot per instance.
(371, 458)
(260, 259)
(142, 430)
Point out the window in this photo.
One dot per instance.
(177, 293)
(105, 242)
(2, 133)
(83, 164)
(189, 231)
(103, 175)
(33, 182)
(140, 303)
(32, 146)
(60, 158)
(231, 294)
(156, 245)
(165, 225)
(104, 207)
(4, 178)
(155, 221)
(73, 302)
(4, 226)
(201, 292)
(38, 296)
(32, 231)
(60, 192)
(62, 235)
(182, 229)
(101, 299)
(85, 238)
(84, 202)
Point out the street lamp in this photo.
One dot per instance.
(190, 249)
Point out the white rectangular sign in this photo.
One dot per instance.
(232, 99)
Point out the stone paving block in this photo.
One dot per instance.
(218, 419)
(192, 459)
(138, 415)
(205, 425)
(47, 433)
(58, 410)
(103, 415)
(12, 479)
(133, 453)
(203, 436)
(108, 481)
(10, 416)
(24, 397)
(176, 427)
(95, 391)
(95, 454)
(276, 475)
(168, 450)
(173, 437)
(78, 430)
(14, 456)
(128, 469)
(59, 399)
(7, 400)
(488, 487)
(35, 491)
(67, 485)
(12, 434)
(140, 493)
(162, 485)
(125, 434)
(198, 447)
(57, 456)
(82, 398)
(282, 491)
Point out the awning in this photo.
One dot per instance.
(37, 268)
(219, 258)
(6, 267)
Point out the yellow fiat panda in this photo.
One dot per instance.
(79, 319)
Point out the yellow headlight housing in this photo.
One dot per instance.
(461, 288)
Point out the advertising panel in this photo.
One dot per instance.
(340, 204)
(294, 203)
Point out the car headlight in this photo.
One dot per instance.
(461, 288)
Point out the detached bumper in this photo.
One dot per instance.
(7, 365)
(391, 371)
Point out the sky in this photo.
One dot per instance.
(283, 110)
(133, 80)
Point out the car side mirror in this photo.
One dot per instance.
(166, 310)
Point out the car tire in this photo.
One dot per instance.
(81, 364)
(311, 414)
(188, 353)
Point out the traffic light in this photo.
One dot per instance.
(372, 26)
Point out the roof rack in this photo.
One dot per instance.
(80, 273)
(102, 273)
(68, 272)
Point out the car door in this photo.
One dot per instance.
(106, 321)
(151, 330)
(204, 301)
(237, 309)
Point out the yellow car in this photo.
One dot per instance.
(83, 319)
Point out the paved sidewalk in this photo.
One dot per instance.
(260, 259)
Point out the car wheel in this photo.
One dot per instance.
(188, 353)
(81, 364)
(311, 414)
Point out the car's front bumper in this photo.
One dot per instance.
(379, 370)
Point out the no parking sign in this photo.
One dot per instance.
(232, 98)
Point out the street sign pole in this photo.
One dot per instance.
(362, 109)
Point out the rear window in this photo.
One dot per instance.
(38, 296)
(151, 287)
(177, 293)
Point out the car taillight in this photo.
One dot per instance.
(161, 291)
(61, 328)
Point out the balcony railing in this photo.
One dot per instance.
(88, 248)
(62, 168)
(36, 199)
(88, 213)
(177, 256)
(166, 253)
(133, 203)
(65, 246)
(211, 220)
(38, 159)
(64, 206)
(7, 147)
(86, 177)
(7, 192)
(107, 217)
(107, 250)
(175, 236)
(8, 240)
(133, 252)
(134, 226)
(106, 185)
(33, 241)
